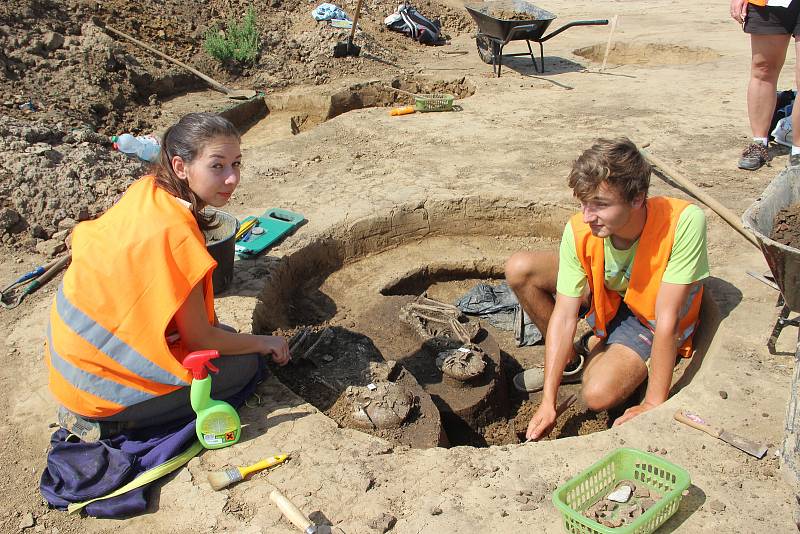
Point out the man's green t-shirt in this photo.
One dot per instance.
(688, 261)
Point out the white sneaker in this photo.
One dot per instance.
(783, 132)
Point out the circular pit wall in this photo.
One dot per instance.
(343, 299)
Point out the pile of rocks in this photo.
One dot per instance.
(50, 180)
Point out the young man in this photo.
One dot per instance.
(636, 264)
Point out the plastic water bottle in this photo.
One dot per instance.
(146, 147)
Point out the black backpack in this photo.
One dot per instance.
(409, 21)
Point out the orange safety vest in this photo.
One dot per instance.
(132, 269)
(649, 264)
(761, 3)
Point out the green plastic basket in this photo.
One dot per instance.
(434, 102)
(580, 492)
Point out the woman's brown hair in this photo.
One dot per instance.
(186, 139)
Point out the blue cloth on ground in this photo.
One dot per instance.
(328, 12)
(78, 471)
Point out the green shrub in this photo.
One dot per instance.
(238, 42)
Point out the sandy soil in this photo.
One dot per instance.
(509, 150)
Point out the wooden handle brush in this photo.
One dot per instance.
(223, 479)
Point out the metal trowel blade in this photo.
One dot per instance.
(754, 449)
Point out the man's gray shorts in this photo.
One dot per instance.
(626, 329)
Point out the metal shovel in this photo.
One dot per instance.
(347, 48)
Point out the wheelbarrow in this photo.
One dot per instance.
(784, 263)
(529, 24)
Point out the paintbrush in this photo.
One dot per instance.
(223, 479)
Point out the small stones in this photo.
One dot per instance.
(26, 521)
(50, 248)
(716, 506)
(723, 394)
(53, 41)
(607, 512)
(647, 503)
(435, 510)
(382, 523)
(621, 494)
(8, 218)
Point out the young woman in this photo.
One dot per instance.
(137, 297)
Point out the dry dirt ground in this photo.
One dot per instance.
(368, 184)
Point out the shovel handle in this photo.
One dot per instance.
(212, 82)
(290, 511)
(694, 421)
(355, 22)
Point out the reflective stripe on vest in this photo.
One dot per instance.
(109, 344)
(107, 348)
(91, 383)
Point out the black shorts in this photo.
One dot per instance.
(766, 20)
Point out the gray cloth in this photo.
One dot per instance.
(500, 307)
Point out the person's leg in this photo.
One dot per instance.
(794, 158)
(768, 55)
(612, 374)
(616, 366)
(532, 276)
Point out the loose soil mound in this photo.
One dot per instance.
(786, 228)
(647, 54)
(66, 84)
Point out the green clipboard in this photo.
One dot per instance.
(270, 228)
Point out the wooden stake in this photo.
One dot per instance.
(608, 43)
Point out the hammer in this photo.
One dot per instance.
(297, 518)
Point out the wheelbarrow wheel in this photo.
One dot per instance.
(488, 49)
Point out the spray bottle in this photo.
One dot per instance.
(218, 423)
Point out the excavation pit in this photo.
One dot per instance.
(280, 115)
(621, 53)
(357, 280)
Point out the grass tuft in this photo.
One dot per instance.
(239, 42)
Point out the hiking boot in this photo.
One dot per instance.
(753, 157)
(86, 430)
(794, 161)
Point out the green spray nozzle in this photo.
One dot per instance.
(198, 362)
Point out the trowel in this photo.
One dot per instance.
(695, 421)
(297, 518)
